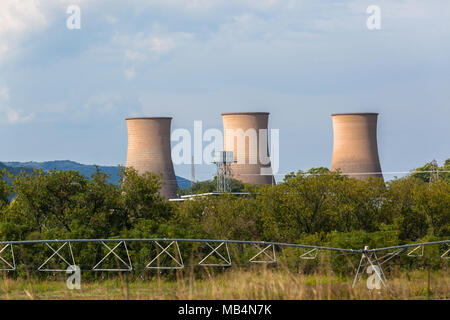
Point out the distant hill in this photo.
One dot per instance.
(14, 170)
(84, 169)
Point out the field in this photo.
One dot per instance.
(258, 283)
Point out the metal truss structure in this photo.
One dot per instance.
(217, 256)
(57, 254)
(10, 265)
(369, 258)
(178, 261)
(416, 252)
(310, 255)
(445, 255)
(268, 256)
(128, 265)
(223, 161)
(215, 252)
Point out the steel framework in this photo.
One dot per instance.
(223, 161)
(215, 252)
(310, 255)
(56, 253)
(266, 253)
(269, 256)
(10, 265)
(128, 265)
(178, 262)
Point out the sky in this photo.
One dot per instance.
(64, 93)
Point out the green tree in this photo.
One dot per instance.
(211, 186)
(141, 199)
(433, 201)
(358, 204)
(424, 173)
(5, 190)
(301, 204)
(46, 201)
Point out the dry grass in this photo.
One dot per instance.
(259, 283)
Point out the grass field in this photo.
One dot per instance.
(260, 283)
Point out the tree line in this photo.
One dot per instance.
(313, 207)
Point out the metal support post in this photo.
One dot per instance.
(11, 265)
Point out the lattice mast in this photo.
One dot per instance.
(434, 172)
(223, 161)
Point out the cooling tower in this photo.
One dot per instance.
(355, 150)
(242, 135)
(149, 150)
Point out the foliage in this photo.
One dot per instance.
(425, 172)
(5, 190)
(210, 186)
(316, 207)
(257, 283)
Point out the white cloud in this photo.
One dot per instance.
(208, 5)
(104, 103)
(15, 117)
(129, 72)
(11, 115)
(21, 19)
(111, 19)
(213, 4)
(155, 43)
(18, 19)
(143, 48)
(4, 94)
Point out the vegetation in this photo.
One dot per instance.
(426, 174)
(314, 207)
(210, 186)
(261, 283)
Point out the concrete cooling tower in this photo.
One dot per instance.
(149, 150)
(242, 135)
(355, 149)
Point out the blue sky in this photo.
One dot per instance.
(64, 93)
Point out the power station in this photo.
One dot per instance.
(149, 150)
(355, 148)
(245, 134)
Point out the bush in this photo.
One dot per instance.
(314, 207)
